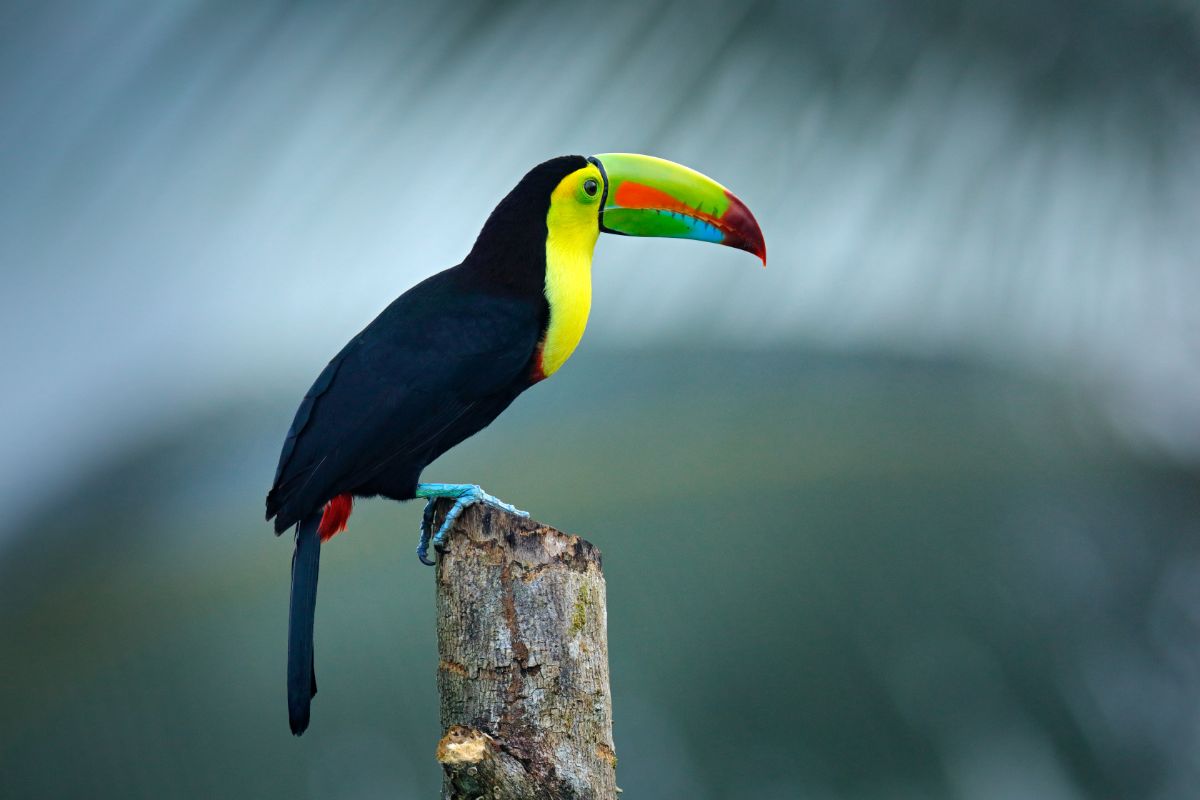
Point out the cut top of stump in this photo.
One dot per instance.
(516, 538)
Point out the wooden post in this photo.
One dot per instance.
(523, 662)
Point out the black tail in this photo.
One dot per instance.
(301, 675)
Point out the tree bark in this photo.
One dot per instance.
(523, 662)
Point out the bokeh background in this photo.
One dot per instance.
(913, 513)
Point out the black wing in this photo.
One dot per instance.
(424, 364)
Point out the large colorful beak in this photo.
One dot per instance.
(647, 196)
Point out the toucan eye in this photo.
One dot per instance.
(590, 186)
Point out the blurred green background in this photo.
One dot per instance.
(912, 513)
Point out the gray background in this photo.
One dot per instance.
(911, 513)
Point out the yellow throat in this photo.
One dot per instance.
(572, 229)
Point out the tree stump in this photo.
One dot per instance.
(523, 662)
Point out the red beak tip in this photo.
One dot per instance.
(748, 234)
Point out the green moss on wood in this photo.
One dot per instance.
(582, 601)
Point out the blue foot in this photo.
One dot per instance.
(426, 532)
(464, 494)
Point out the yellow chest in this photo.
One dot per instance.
(569, 293)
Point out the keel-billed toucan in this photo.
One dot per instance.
(447, 356)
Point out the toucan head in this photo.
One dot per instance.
(627, 194)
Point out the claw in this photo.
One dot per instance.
(468, 497)
(426, 529)
(464, 494)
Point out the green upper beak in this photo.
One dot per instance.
(647, 196)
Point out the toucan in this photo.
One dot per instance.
(447, 356)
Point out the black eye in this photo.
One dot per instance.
(590, 186)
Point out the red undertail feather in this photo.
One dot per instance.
(337, 514)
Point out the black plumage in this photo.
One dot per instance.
(437, 366)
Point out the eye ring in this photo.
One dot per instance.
(590, 187)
